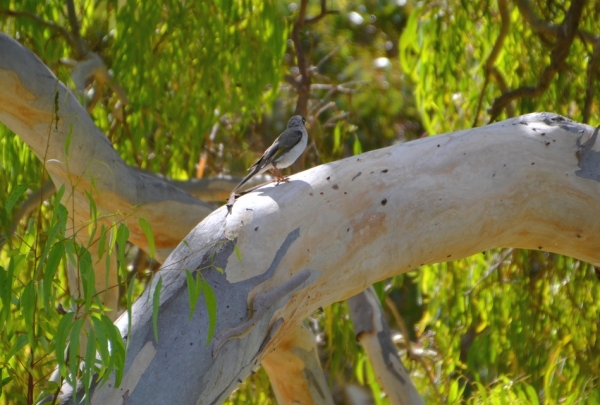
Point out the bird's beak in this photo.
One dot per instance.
(307, 125)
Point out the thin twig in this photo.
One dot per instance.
(490, 270)
(41, 21)
(540, 26)
(592, 73)
(303, 86)
(322, 14)
(77, 41)
(489, 63)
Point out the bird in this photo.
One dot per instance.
(282, 153)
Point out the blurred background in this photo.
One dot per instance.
(199, 89)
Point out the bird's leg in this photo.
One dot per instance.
(280, 178)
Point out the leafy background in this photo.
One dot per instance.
(209, 85)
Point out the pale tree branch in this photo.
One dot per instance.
(294, 370)
(374, 334)
(334, 230)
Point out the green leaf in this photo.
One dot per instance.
(61, 337)
(149, 236)
(194, 289)
(357, 147)
(74, 345)
(155, 307)
(14, 196)
(238, 253)
(21, 343)
(88, 277)
(28, 302)
(68, 139)
(89, 362)
(211, 306)
(102, 344)
(122, 236)
(117, 349)
(102, 242)
(56, 254)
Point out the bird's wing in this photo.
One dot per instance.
(282, 144)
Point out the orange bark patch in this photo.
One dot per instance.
(14, 100)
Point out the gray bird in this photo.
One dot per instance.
(282, 153)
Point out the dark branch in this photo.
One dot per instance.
(565, 36)
(489, 63)
(78, 44)
(322, 14)
(540, 26)
(41, 21)
(593, 72)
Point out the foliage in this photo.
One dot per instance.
(505, 326)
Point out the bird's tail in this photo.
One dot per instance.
(245, 180)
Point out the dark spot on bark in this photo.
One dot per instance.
(578, 235)
(335, 187)
(321, 193)
(328, 177)
(310, 194)
(449, 256)
(505, 165)
(256, 229)
(540, 247)
(191, 343)
(547, 143)
(345, 192)
(438, 145)
(239, 380)
(372, 172)
(532, 163)
(384, 171)
(543, 134)
(494, 175)
(357, 174)
(384, 201)
(348, 230)
(252, 372)
(321, 309)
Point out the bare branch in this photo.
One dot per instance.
(63, 32)
(566, 35)
(540, 26)
(489, 63)
(592, 73)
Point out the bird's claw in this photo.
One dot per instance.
(282, 180)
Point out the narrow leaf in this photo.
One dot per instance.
(149, 236)
(155, 307)
(211, 306)
(238, 253)
(14, 196)
(56, 254)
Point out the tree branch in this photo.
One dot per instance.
(489, 63)
(540, 26)
(565, 36)
(593, 72)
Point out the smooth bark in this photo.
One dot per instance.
(529, 182)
